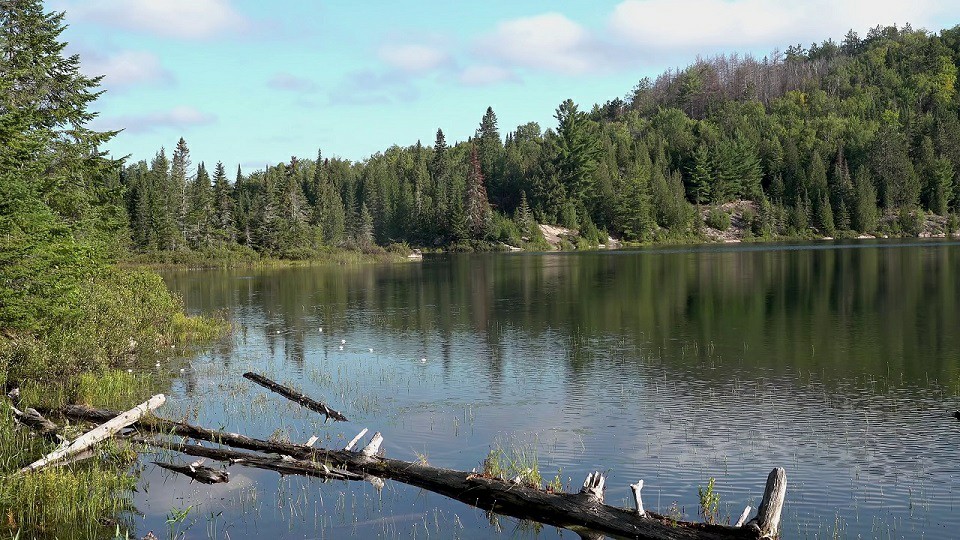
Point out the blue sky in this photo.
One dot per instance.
(251, 82)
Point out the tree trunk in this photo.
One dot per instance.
(295, 396)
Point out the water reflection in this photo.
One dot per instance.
(667, 365)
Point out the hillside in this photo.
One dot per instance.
(838, 139)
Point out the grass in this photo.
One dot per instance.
(514, 462)
(122, 318)
(240, 257)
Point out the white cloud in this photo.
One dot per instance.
(292, 83)
(550, 42)
(179, 117)
(126, 68)
(696, 25)
(483, 75)
(367, 87)
(189, 19)
(413, 58)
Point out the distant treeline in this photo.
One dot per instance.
(840, 138)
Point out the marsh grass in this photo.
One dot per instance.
(512, 459)
(115, 319)
(88, 499)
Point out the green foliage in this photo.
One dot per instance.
(513, 461)
(709, 502)
(718, 219)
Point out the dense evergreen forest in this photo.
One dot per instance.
(835, 139)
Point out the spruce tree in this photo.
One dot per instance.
(477, 206)
(179, 166)
(225, 229)
(577, 151)
(51, 170)
(864, 217)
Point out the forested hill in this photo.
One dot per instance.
(838, 139)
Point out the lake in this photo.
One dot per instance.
(839, 362)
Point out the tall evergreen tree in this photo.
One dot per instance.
(200, 214)
(577, 151)
(224, 229)
(477, 206)
(490, 150)
(864, 216)
(179, 166)
(51, 171)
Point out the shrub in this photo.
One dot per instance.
(718, 219)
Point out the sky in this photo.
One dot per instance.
(252, 83)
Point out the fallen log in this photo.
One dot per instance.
(37, 422)
(197, 471)
(295, 396)
(282, 464)
(581, 512)
(97, 434)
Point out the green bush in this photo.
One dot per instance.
(718, 219)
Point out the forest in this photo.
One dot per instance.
(837, 139)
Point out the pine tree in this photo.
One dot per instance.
(577, 152)
(365, 230)
(161, 218)
(490, 151)
(51, 170)
(440, 179)
(224, 227)
(477, 207)
(700, 176)
(180, 164)
(634, 218)
(200, 212)
(864, 218)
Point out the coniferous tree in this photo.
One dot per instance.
(490, 152)
(577, 151)
(52, 188)
(161, 219)
(224, 228)
(179, 166)
(200, 213)
(700, 176)
(864, 217)
(477, 206)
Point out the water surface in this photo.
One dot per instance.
(838, 362)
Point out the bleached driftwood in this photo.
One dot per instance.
(97, 434)
(296, 397)
(767, 521)
(744, 516)
(635, 488)
(355, 440)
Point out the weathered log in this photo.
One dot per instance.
(281, 464)
(744, 516)
(37, 422)
(635, 488)
(575, 511)
(182, 429)
(767, 521)
(197, 471)
(97, 434)
(295, 396)
(356, 439)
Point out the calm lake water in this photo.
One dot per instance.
(838, 362)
